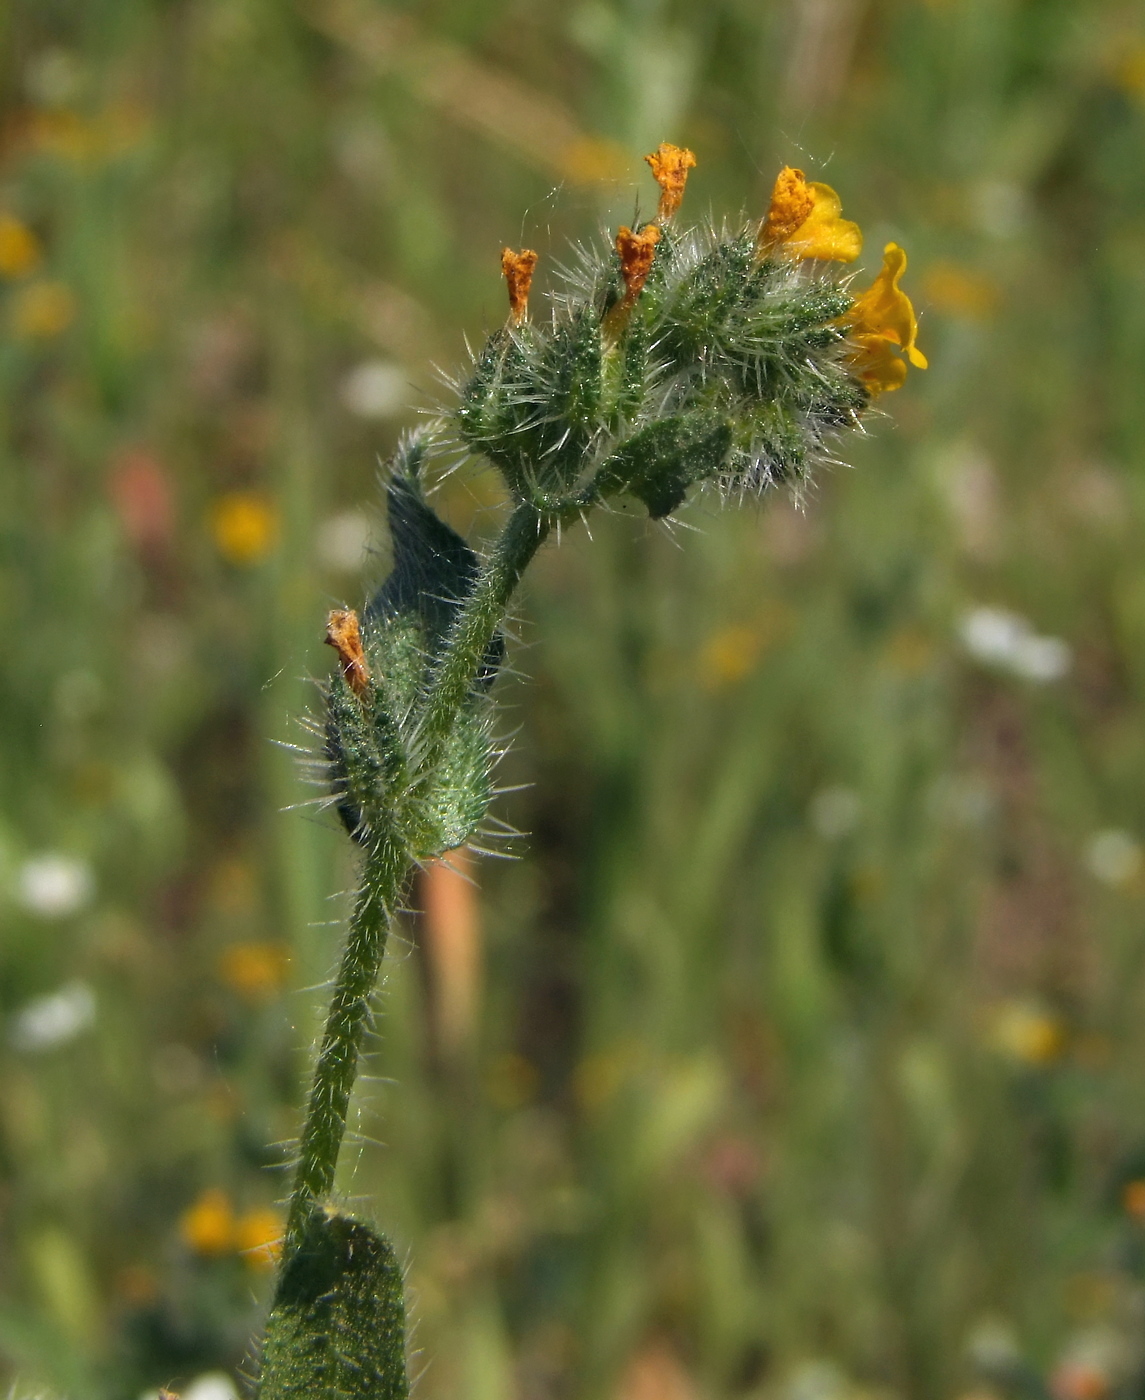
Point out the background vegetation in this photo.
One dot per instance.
(802, 1054)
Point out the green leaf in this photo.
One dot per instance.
(336, 1330)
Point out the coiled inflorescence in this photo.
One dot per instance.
(671, 360)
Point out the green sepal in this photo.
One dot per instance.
(336, 1329)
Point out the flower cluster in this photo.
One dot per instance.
(685, 357)
(672, 360)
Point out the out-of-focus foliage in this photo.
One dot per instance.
(801, 1055)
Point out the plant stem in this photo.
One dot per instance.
(386, 869)
(476, 626)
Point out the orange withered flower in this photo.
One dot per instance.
(670, 166)
(345, 635)
(518, 271)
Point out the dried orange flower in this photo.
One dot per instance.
(637, 251)
(518, 270)
(670, 166)
(345, 636)
(805, 219)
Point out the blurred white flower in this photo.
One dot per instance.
(963, 799)
(1006, 640)
(52, 885)
(1114, 857)
(992, 1346)
(214, 1386)
(835, 811)
(53, 1020)
(816, 1380)
(376, 389)
(342, 541)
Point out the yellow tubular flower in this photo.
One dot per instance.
(804, 220)
(882, 319)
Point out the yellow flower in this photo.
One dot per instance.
(208, 1226)
(43, 311)
(592, 160)
(882, 321)
(805, 219)
(1133, 1198)
(258, 1238)
(19, 247)
(1022, 1031)
(244, 525)
(254, 970)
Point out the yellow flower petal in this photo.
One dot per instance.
(805, 219)
(883, 313)
(824, 233)
(877, 364)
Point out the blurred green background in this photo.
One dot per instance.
(802, 1055)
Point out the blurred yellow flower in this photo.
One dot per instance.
(1133, 1198)
(208, 1226)
(258, 1238)
(1128, 69)
(729, 655)
(512, 1082)
(43, 310)
(591, 160)
(255, 970)
(805, 219)
(19, 247)
(1024, 1032)
(245, 526)
(68, 136)
(882, 322)
(959, 291)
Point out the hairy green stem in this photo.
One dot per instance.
(387, 868)
(383, 877)
(476, 626)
